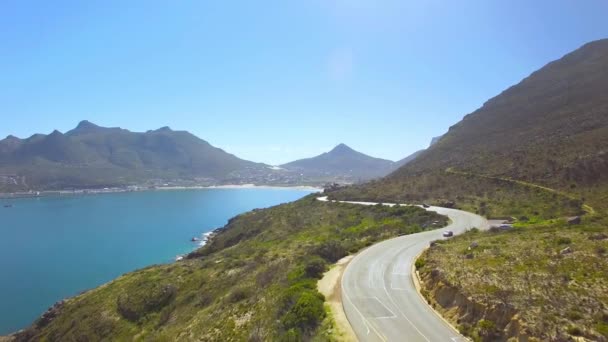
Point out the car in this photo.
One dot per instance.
(448, 233)
(424, 205)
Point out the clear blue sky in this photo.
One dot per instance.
(273, 81)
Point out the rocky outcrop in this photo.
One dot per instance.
(495, 322)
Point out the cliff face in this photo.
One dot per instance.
(464, 312)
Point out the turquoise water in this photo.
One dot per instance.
(55, 247)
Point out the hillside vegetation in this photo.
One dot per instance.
(537, 153)
(255, 280)
(543, 281)
(551, 129)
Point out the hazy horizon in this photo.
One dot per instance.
(281, 82)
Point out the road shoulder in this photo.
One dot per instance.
(330, 287)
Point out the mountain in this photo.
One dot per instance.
(536, 154)
(550, 130)
(343, 162)
(415, 155)
(95, 156)
(409, 158)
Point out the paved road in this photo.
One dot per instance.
(378, 292)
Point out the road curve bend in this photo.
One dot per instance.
(378, 292)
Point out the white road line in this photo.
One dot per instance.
(397, 306)
(367, 323)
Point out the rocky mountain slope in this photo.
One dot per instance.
(550, 130)
(533, 155)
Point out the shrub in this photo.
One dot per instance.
(574, 315)
(291, 295)
(420, 262)
(315, 267)
(602, 328)
(238, 295)
(145, 298)
(487, 328)
(291, 335)
(574, 330)
(306, 313)
(564, 241)
(331, 251)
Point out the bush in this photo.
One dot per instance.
(574, 331)
(306, 313)
(315, 267)
(331, 251)
(602, 328)
(564, 241)
(420, 262)
(144, 299)
(291, 295)
(238, 295)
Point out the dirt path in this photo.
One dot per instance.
(330, 287)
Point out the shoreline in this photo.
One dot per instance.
(244, 186)
(49, 193)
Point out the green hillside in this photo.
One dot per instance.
(255, 280)
(550, 130)
(537, 153)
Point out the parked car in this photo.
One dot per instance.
(424, 205)
(448, 233)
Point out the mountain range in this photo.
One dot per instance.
(91, 156)
(94, 156)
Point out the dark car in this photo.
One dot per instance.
(424, 205)
(448, 233)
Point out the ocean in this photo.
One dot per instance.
(55, 247)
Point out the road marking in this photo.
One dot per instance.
(389, 311)
(397, 306)
(367, 324)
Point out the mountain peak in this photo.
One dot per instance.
(341, 148)
(85, 124)
(164, 129)
(11, 137)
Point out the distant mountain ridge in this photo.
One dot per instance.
(94, 156)
(344, 162)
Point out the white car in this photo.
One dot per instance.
(448, 233)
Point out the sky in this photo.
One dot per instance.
(274, 81)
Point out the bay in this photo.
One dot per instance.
(55, 247)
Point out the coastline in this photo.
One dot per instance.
(47, 193)
(249, 186)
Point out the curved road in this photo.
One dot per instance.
(378, 292)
